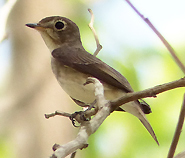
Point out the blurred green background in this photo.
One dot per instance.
(29, 89)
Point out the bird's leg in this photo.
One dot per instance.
(90, 106)
(77, 116)
(81, 116)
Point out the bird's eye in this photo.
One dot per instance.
(59, 25)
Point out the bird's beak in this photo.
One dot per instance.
(35, 26)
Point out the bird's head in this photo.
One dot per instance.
(56, 31)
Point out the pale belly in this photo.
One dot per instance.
(73, 86)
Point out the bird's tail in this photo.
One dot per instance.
(147, 125)
(134, 109)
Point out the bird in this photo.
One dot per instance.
(72, 65)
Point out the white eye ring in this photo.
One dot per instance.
(60, 25)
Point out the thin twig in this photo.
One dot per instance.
(165, 42)
(59, 113)
(151, 92)
(99, 46)
(178, 131)
(88, 113)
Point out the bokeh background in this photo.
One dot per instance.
(28, 88)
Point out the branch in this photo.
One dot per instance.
(88, 113)
(151, 92)
(87, 127)
(177, 132)
(99, 46)
(165, 42)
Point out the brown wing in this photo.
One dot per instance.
(84, 62)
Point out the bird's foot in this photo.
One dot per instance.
(78, 116)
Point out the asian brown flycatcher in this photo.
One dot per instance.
(72, 65)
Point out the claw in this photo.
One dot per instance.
(79, 119)
(72, 118)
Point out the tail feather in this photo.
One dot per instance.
(147, 125)
(135, 109)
